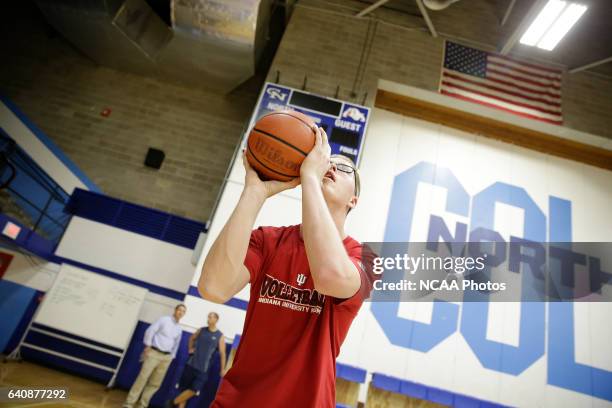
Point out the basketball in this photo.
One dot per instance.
(279, 143)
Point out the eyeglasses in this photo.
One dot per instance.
(345, 168)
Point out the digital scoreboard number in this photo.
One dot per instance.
(344, 122)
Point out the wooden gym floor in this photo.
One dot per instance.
(83, 393)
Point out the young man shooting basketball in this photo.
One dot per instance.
(307, 285)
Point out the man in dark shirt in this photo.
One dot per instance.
(205, 345)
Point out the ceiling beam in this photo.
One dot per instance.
(371, 8)
(590, 65)
(508, 12)
(518, 32)
(425, 14)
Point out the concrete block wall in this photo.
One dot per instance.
(64, 93)
(325, 40)
(587, 102)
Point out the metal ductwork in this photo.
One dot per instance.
(438, 4)
(211, 43)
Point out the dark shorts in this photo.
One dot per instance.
(192, 379)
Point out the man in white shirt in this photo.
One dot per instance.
(161, 342)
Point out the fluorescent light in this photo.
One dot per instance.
(561, 26)
(543, 21)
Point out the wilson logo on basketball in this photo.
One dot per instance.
(269, 154)
(278, 144)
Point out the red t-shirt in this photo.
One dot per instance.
(292, 334)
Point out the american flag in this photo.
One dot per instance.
(500, 82)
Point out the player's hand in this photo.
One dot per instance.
(264, 188)
(316, 164)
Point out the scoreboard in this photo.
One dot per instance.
(345, 123)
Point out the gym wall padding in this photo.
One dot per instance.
(127, 253)
(14, 302)
(412, 170)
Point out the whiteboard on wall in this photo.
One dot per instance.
(92, 306)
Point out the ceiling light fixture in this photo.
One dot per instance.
(551, 25)
(563, 24)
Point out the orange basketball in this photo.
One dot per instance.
(278, 144)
